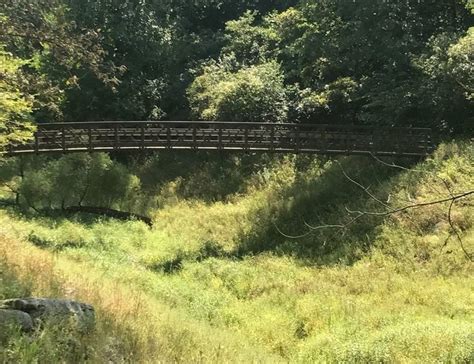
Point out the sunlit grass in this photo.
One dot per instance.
(206, 284)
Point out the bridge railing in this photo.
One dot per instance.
(194, 135)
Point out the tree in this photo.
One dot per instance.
(461, 63)
(255, 93)
(58, 53)
(366, 61)
(15, 107)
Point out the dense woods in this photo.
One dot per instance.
(364, 62)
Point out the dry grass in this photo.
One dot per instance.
(132, 325)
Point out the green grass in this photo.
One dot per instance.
(230, 287)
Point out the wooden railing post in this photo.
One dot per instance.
(168, 136)
(246, 137)
(194, 143)
(89, 134)
(219, 140)
(373, 141)
(298, 139)
(272, 137)
(430, 142)
(346, 142)
(324, 141)
(116, 137)
(401, 138)
(142, 132)
(37, 141)
(63, 138)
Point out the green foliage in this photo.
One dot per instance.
(255, 93)
(334, 102)
(370, 62)
(53, 342)
(360, 62)
(10, 287)
(60, 52)
(15, 108)
(461, 63)
(251, 44)
(75, 180)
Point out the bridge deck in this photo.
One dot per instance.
(195, 135)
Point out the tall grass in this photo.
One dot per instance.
(219, 282)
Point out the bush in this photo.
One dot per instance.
(78, 179)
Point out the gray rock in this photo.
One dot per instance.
(42, 309)
(14, 318)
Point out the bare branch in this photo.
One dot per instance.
(393, 165)
(11, 188)
(365, 189)
(397, 166)
(290, 236)
(453, 201)
(321, 227)
(453, 198)
(414, 206)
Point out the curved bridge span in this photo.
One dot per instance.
(233, 136)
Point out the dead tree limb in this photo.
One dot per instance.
(413, 206)
(358, 214)
(365, 189)
(121, 215)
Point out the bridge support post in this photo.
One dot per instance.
(168, 137)
(298, 140)
(246, 138)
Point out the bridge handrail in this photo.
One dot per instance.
(90, 124)
(220, 135)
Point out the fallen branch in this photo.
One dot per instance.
(7, 203)
(120, 215)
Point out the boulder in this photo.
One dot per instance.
(43, 309)
(14, 318)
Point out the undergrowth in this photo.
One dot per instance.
(247, 279)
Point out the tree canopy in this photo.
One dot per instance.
(369, 62)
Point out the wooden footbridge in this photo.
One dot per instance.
(232, 136)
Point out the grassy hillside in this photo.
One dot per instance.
(250, 277)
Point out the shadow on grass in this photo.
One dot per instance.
(51, 217)
(206, 176)
(283, 226)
